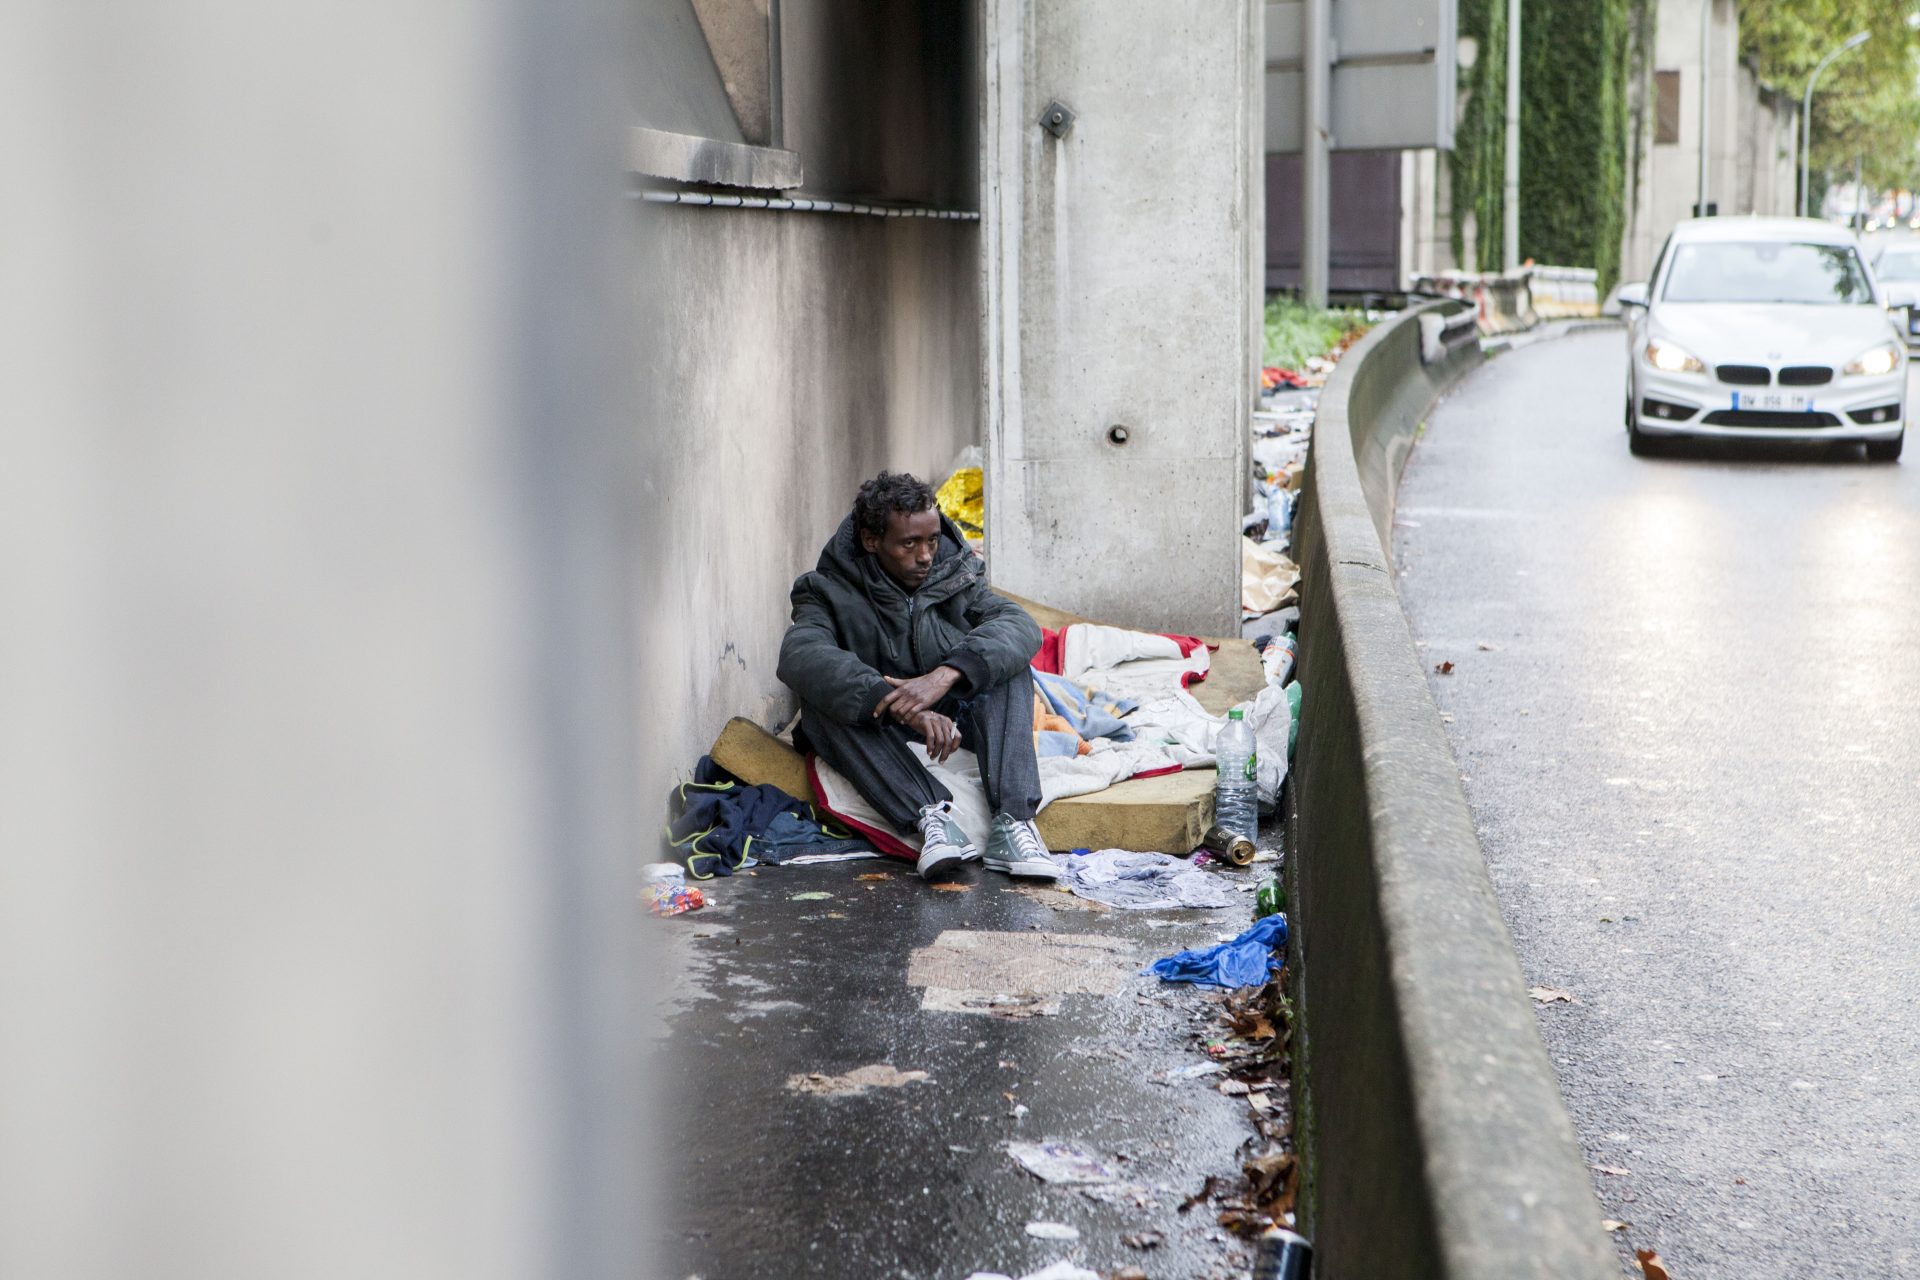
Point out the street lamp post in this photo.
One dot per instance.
(1853, 41)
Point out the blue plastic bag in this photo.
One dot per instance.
(1245, 962)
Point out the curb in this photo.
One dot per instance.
(1430, 1119)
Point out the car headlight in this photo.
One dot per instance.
(1876, 363)
(1668, 358)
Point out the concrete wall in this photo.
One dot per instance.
(788, 356)
(1122, 291)
(1435, 1140)
(314, 768)
(1750, 125)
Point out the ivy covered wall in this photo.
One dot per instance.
(1574, 68)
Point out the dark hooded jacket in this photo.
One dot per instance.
(852, 625)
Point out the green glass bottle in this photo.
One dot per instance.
(1270, 898)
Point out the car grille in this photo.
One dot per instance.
(1767, 418)
(1745, 375)
(1806, 375)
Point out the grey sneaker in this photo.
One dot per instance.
(943, 845)
(1015, 848)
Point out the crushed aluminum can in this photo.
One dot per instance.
(1235, 848)
(1280, 1254)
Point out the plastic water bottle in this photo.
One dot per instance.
(1236, 806)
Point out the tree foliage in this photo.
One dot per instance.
(1866, 105)
(1573, 131)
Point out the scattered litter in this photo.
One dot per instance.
(1552, 995)
(951, 886)
(1613, 1224)
(1052, 1231)
(677, 901)
(812, 895)
(1193, 1072)
(813, 859)
(1142, 881)
(874, 875)
(1611, 1170)
(1122, 1194)
(666, 893)
(1143, 1240)
(1651, 1266)
(1019, 1111)
(1235, 1088)
(1201, 1196)
(1246, 961)
(880, 1075)
(1061, 1162)
(958, 1150)
(1444, 668)
(1062, 1270)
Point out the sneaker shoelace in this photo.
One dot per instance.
(1025, 842)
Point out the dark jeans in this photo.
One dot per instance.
(996, 725)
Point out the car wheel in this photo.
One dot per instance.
(1639, 443)
(1885, 450)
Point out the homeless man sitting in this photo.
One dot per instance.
(895, 636)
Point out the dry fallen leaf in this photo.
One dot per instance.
(1552, 995)
(873, 875)
(1613, 1170)
(948, 886)
(1613, 1224)
(1204, 1193)
(1143, 1240)
(1651, 1266)
(1444, 668)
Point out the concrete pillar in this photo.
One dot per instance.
(313, 770)
(1121, 297)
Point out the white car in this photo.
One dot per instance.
(1898, 271)
(1764, 329)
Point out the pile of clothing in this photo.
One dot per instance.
(720, 825)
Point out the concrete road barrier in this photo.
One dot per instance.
(1435, 1140)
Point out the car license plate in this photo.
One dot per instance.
(1772, 401)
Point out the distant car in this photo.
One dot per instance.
(1764, 329)
(1898, 270)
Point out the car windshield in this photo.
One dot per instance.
(1899, 266)
(1764, 271)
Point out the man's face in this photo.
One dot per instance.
(906, 549)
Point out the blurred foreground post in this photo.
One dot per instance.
(313, 723)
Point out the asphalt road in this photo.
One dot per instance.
(798, 974)
(1686, 702)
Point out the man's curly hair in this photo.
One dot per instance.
(887, 493)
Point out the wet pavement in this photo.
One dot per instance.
(773, 1170)
(1686, 701)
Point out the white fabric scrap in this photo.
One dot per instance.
(1142, 881)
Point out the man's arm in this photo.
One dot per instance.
(1000, 644)
(825, 676)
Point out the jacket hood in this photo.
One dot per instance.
(954, 564)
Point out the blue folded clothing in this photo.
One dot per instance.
(1246, 961)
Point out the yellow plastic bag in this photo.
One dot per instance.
(963, 498)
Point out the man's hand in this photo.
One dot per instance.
(911, 697)
(941, 735)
